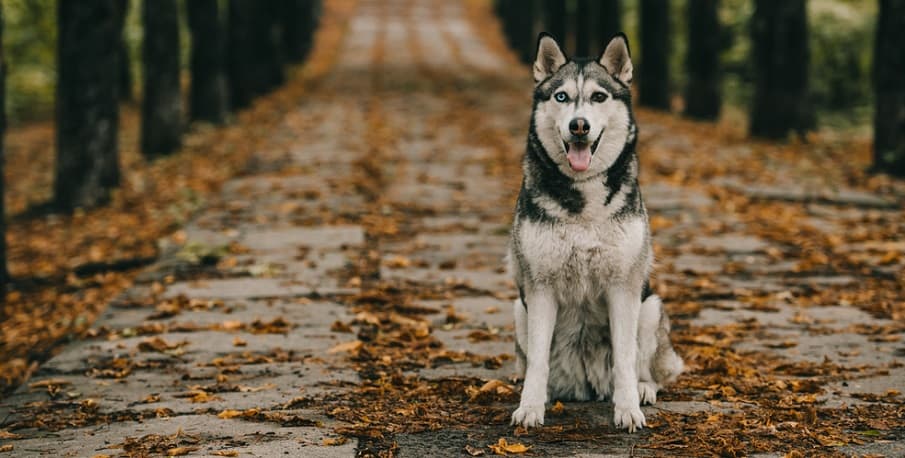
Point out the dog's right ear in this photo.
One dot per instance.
(549, 57)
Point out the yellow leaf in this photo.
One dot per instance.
(225, 453)
(4, 434)
(180, 451)
(347, 347)
(229, 413)
(557, 408)
(502, 447)
(6, 448)
(333, 441)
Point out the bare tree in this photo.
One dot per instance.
(889, 88)
(653, 75)
(161, 108)
(87, 164)
(208, 94)
(4, 273)
(779, 35)
(555, 18)
(702, 94)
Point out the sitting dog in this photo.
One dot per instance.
(587, 325)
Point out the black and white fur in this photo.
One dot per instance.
(587, 325)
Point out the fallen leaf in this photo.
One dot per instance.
(225, 453)
(504, 448)
(4, 434)
(6, 448)
(473, 451)
(49, 382)
(346, 347)
(180, 451)
(334, 441)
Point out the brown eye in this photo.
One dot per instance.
(599, 97)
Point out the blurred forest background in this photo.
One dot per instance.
(101, 95)
(841, 35)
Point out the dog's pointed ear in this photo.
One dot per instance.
(549, 57)
(617, 59)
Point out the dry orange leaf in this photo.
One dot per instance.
(347, 347)
(333, 441)
(504, 448)
(225, 453)
(6, 448)
(4, 434)
(49, 382)
(180, 451)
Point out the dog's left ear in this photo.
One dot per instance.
(617, 59)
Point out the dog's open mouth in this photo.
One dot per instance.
(579, 155)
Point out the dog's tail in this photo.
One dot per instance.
(657, 358)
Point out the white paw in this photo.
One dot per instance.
(629, 417)
(647, 391)
(528, 416)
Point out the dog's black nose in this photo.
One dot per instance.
(579, 126)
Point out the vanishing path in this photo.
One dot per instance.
(352, 286)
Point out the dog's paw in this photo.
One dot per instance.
(647, 391)
(630, 418)
(528, 416)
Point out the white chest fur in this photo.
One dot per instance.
(581, 255)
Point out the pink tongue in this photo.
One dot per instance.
(579, 155)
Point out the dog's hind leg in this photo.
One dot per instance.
(521, 337)
(648, 323)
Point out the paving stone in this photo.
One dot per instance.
(290, 239)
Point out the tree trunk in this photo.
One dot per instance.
(4, 273)
(582, 23)
(654, 69)
(889, 88)
(779, 35)
(299, 18)
(520, 19)
(702, 94)
(608, 23)
(87, 164)
(208, 93)
(161, 108)
(124, 66)
(555, 19)
(254, 55)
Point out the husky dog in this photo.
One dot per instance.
(587, 325)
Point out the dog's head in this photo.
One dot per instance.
(582, 107)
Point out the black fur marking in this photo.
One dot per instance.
(620, 172)
(646, 291)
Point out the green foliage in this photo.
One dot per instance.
(29, 44)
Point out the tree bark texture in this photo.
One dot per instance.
(889, 89)
(125, 67)
(583, 17)
(254, 50)
(653, 77)
(87, 163)
(4, 273)
(555, 19)
(608, 23)
(779, 35)
(702, 94)
(208, 97)
(299, 21)
(161, 108)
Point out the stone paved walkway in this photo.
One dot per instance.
(400, 173)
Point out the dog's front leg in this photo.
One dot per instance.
(541, 321)
(624, 309)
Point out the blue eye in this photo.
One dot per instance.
(561, 97)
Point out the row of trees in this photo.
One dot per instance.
(780, 59)
(235, 57)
